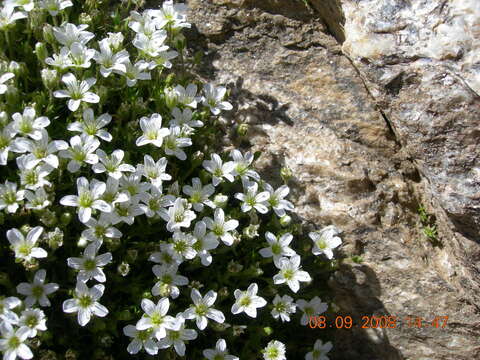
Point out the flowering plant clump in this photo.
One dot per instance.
(125, 228)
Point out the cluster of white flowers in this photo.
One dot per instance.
(195, 214)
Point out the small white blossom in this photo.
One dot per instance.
(90, 265)
(6, 313)
(8, 16)
(68, 34)
(276, 199)
(88, 198)
(219, 228)
(100, 229)
(179, 215)
(126, 211)
(220, 352)
(6, 142)
(81, 150)
(283, 307)
(204, 243)
(27, 124)
(184, 118)
(37, 291)
(112, 164)
(243, 164)
(186, 96)
(320, 351)
(77, 91)
(112, 194)
(290, 273)
(178, 336)
(24, 247)
(277, 248)
(174, 15)
(132, 183)
(4, 78)
(182, 245)
(62, 60)
(153, 133)
(174, 143)
(218, 169)
(33, 178)
(12, 342)
(85, 303)
(155, 202)
(275, 350)
(34, 320)
(141, 339)
(313, 307)
(214, 99)
(154, 171)
(10, 197)
(134, 72)
(108, 60)
(248, 301)
(91, 126)
(251, 199)
(168, 279)
(151, 45)
(199, 194)
(156, 317)
(202, 309)
(81, 56)
(37, 200)
(55, 6)
(325, 241)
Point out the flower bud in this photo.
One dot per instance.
(251, 231)
(238, 329)
(223, 292)
(220, 200)
(66, 218)
(48, 36)
(112, 243)
(171, 98)
(198, 156)
(196, 285)
(286, 173)
(85, 18)
(285, 220)
(49, 78)
(48, 218)
(55, 238)
(82, 242)
(242, 129)
(16, 68)
(41, 51)
(115, 40)
(234, 267)
(123, 269)
(25, 229)
(12, 95)
(3, 119)
(174, 189)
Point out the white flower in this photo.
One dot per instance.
(88, 198)
(178, 336)
(142, 23)
(38, 290)
(62, 60)
(156, 317)
(26, 5)
(171, 14)
(10, 197)
(90, 265)
(166, 255)
(219, 228)
(134, 72)
(112, 194)
(251, 199)
(55, 6)
(213, 99)
(325, 241)
(77, 91)
(35, 178)
(6, 143)
(276, 199)
(6, 313)
(82, 149)
(151, 45)
(8, 17)
(179, 215)
(218, 169)
(275, 350)
(34, 320)
(28, 125)
(168, 279)
(184, 118)
(3, 79)
(154, 171)
(92, 126)
(283, 307)
(182, 245)
(141, 339)
(199, 194)
(290, 273)
(85, 303)
(202, 309)
(153, 133)
(186, 96)
(163, 59)
(126, 211)
(204, 243)
(112, 164)
(25, 247)
(37, 200)
(68, 34)
(81, 55)
(108, 60)
(155, 202)
(134, 185)
(174, 143)
(277, 248)
(115, 40)
(41, 149)
(242, 165)
(248, 301)
(320, 351)
(313, 307)
(100, 229)
(220, 352)
(12, 342)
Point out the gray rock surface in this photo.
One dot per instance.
(308, 109)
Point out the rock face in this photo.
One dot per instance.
(309, 109)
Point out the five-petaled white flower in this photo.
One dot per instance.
(108, 60)
(6, 313)
(55, 6)
(24, 247)
(12, 342)
(184, 117)
(214, 99)
(174, 143)
(283, 307)
(179, 215)
(219, 228)
(277, 199)
(275, 350)
(168, 279)
(100, 229)
(156, 317)
(202, 309)
(37, 200)
(248, 301)
(85, 303)
(77, 91)
(134, 72)
(154, 171)
(4, 78)
(37, 291)
(220, 352)
(243, 164)
(112, 164)
(178, 336)
(154, 202)
(251, 199)
(141, 339)
(10, 197)
(218, 169)
(310, 308)
(277, 248)
(290, 273)
(204, 243)
(325, 241)
(8, 17)
(34, 320)
(199, 194)
(91, 126)
(90, 265)
(88, 198)
(82, 150)
(320, 351)
(27, 124)
(182, 245)
(153, 133)
(68, 34)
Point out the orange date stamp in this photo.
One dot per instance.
(382, 322)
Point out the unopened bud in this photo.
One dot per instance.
(123, 269)
(55, 238)
(48, 34)
(41, 51)
(251, 231)
(171, 98)
(285, 220)
(220, 200)
(286, 173)
(242, 129)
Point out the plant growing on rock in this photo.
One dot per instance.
(152, 238)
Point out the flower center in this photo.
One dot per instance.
(245, 301)
(89, 264)
(280, 307)
(24, 249)
(31, 177)
(156, 319)
(4, 141)
(321, 244)
(272, 353)
(288, 274)
(14, 342)
(201, 309)
(25, 126)
(276, 249)
(10, 197)
(32, 321)
(85, 199)
(37, 291)
(179, 216)
(85, 301)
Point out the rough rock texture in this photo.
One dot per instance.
(309, 109)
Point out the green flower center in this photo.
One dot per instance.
(10, 197)
(85, 199)
(85, 301)
(24, 249)
(151, 134)
(174, 335)
(180, 246)
(276, 249)
(144, 335)
(280, 307)
(273, 353)
(31, 177)
(288, 274)
(179, 216)
(99, 231)
(316, 353)
(40, 153)
(321, 244)
(25, 126)
(32, 321)
(245, 301)
(167, 279)
(196, 197)
(4, 141)
(218, 230)
(156, 319)
(78, 155)
(201, 309)
(89, 264)
(37, 291)
(14, 342)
